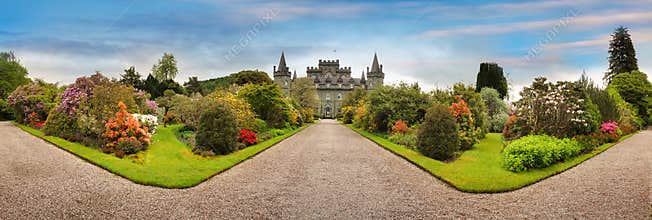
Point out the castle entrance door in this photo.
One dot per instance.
(327, 112)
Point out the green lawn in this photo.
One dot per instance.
(166, 163)
(480, 169)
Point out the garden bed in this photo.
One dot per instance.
(480, 169)
(167, 162)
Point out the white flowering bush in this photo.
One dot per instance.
(562, 109)
(149, 121)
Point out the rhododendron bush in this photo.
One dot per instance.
(468, 134)
(561, 110)
(247, 137)
(123, 130)
(149, 121)
(35, 98)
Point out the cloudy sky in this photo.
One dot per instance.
(434, 43)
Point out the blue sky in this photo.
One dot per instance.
(435, 43)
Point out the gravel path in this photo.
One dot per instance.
(325, 171)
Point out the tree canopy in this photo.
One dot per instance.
(12, 75)
(251, 76)
(491, 76)
(166, 69)
(622, 56)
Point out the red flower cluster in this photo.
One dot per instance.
(459, 108)
(247, 137)
(400, 127)
(124, 127)
(34, 120)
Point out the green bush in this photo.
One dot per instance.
(408, 140)
(387, 104)
(437, 136)
(636, 89)
(218, 130)
(497, 122)
(539, 151)
(628, 118)
(60, 124)
(269, 103)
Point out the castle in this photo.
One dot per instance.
(332, 81)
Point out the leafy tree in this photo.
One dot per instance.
(491, 76)
(304, 92)
(388, 104)
(193, 86)
(12, 75)
(131, 78)
(352, 98)
(496, 109)
(437, 136)
(622, 56)
(210, 85)
(166, 69)
(268, 101)
(156, 88)
(635, 88)
(476, 104)
(251, 76)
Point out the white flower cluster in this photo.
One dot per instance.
(149, 121)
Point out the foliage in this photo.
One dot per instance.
(362, 119)
(628, 118)
(12, 75)
(268, 101)
(491, 76)
(610, 127)
(218, 130)
(131, 78)
(193, 86)
(538, 151)
(622, 56)
(408, 140)
(496, 109)
(561, 110)
(387, 104)
(188, 110)
(166, 69)
(60, 124)
(352, 98)
(247, 137)
(251, 76)
(304, 92)
(475, 104)
(38, 97)
(636, 89)
(605, 102)
(156, 88)
(210, 85)
(148, 121)
(515, 127)
(125, 128)
(400, 127)
(97, 109)
(347, 114)
(468, 135)
(437, 136)
(244, 115)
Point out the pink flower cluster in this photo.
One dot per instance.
(609, 127)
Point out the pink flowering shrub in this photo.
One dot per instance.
(609, 127)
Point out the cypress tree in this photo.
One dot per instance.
(622, 56)
(491, 76)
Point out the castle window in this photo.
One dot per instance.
(328, 97)
(339, 96)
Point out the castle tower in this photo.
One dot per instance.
(282, 75)
(376, 76)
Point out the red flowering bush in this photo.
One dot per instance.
(468, 134)
(400, 127)
(247, 137)
(34, 120)
(123, 131)
(609, 127)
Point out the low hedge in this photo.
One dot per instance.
(538, 151)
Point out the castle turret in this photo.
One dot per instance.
(376, 76)
(282, 75)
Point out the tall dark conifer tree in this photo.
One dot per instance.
(622, 56)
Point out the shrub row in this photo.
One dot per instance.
(538, 151)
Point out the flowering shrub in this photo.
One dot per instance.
(609, 127)
(247, 137)
(561, 110)
(149, 121)
(124, 128)
(437, 136)
(36, 97)
(468, 134)
(152, 107)
(400, 127)
(33, 119)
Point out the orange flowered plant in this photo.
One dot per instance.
(124, 129)
(400, 127)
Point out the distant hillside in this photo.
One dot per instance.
(211, 85)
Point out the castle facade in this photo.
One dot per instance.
(332, 81)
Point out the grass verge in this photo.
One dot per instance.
(167, 162)
(480, 169)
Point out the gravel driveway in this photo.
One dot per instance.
(325, 171)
